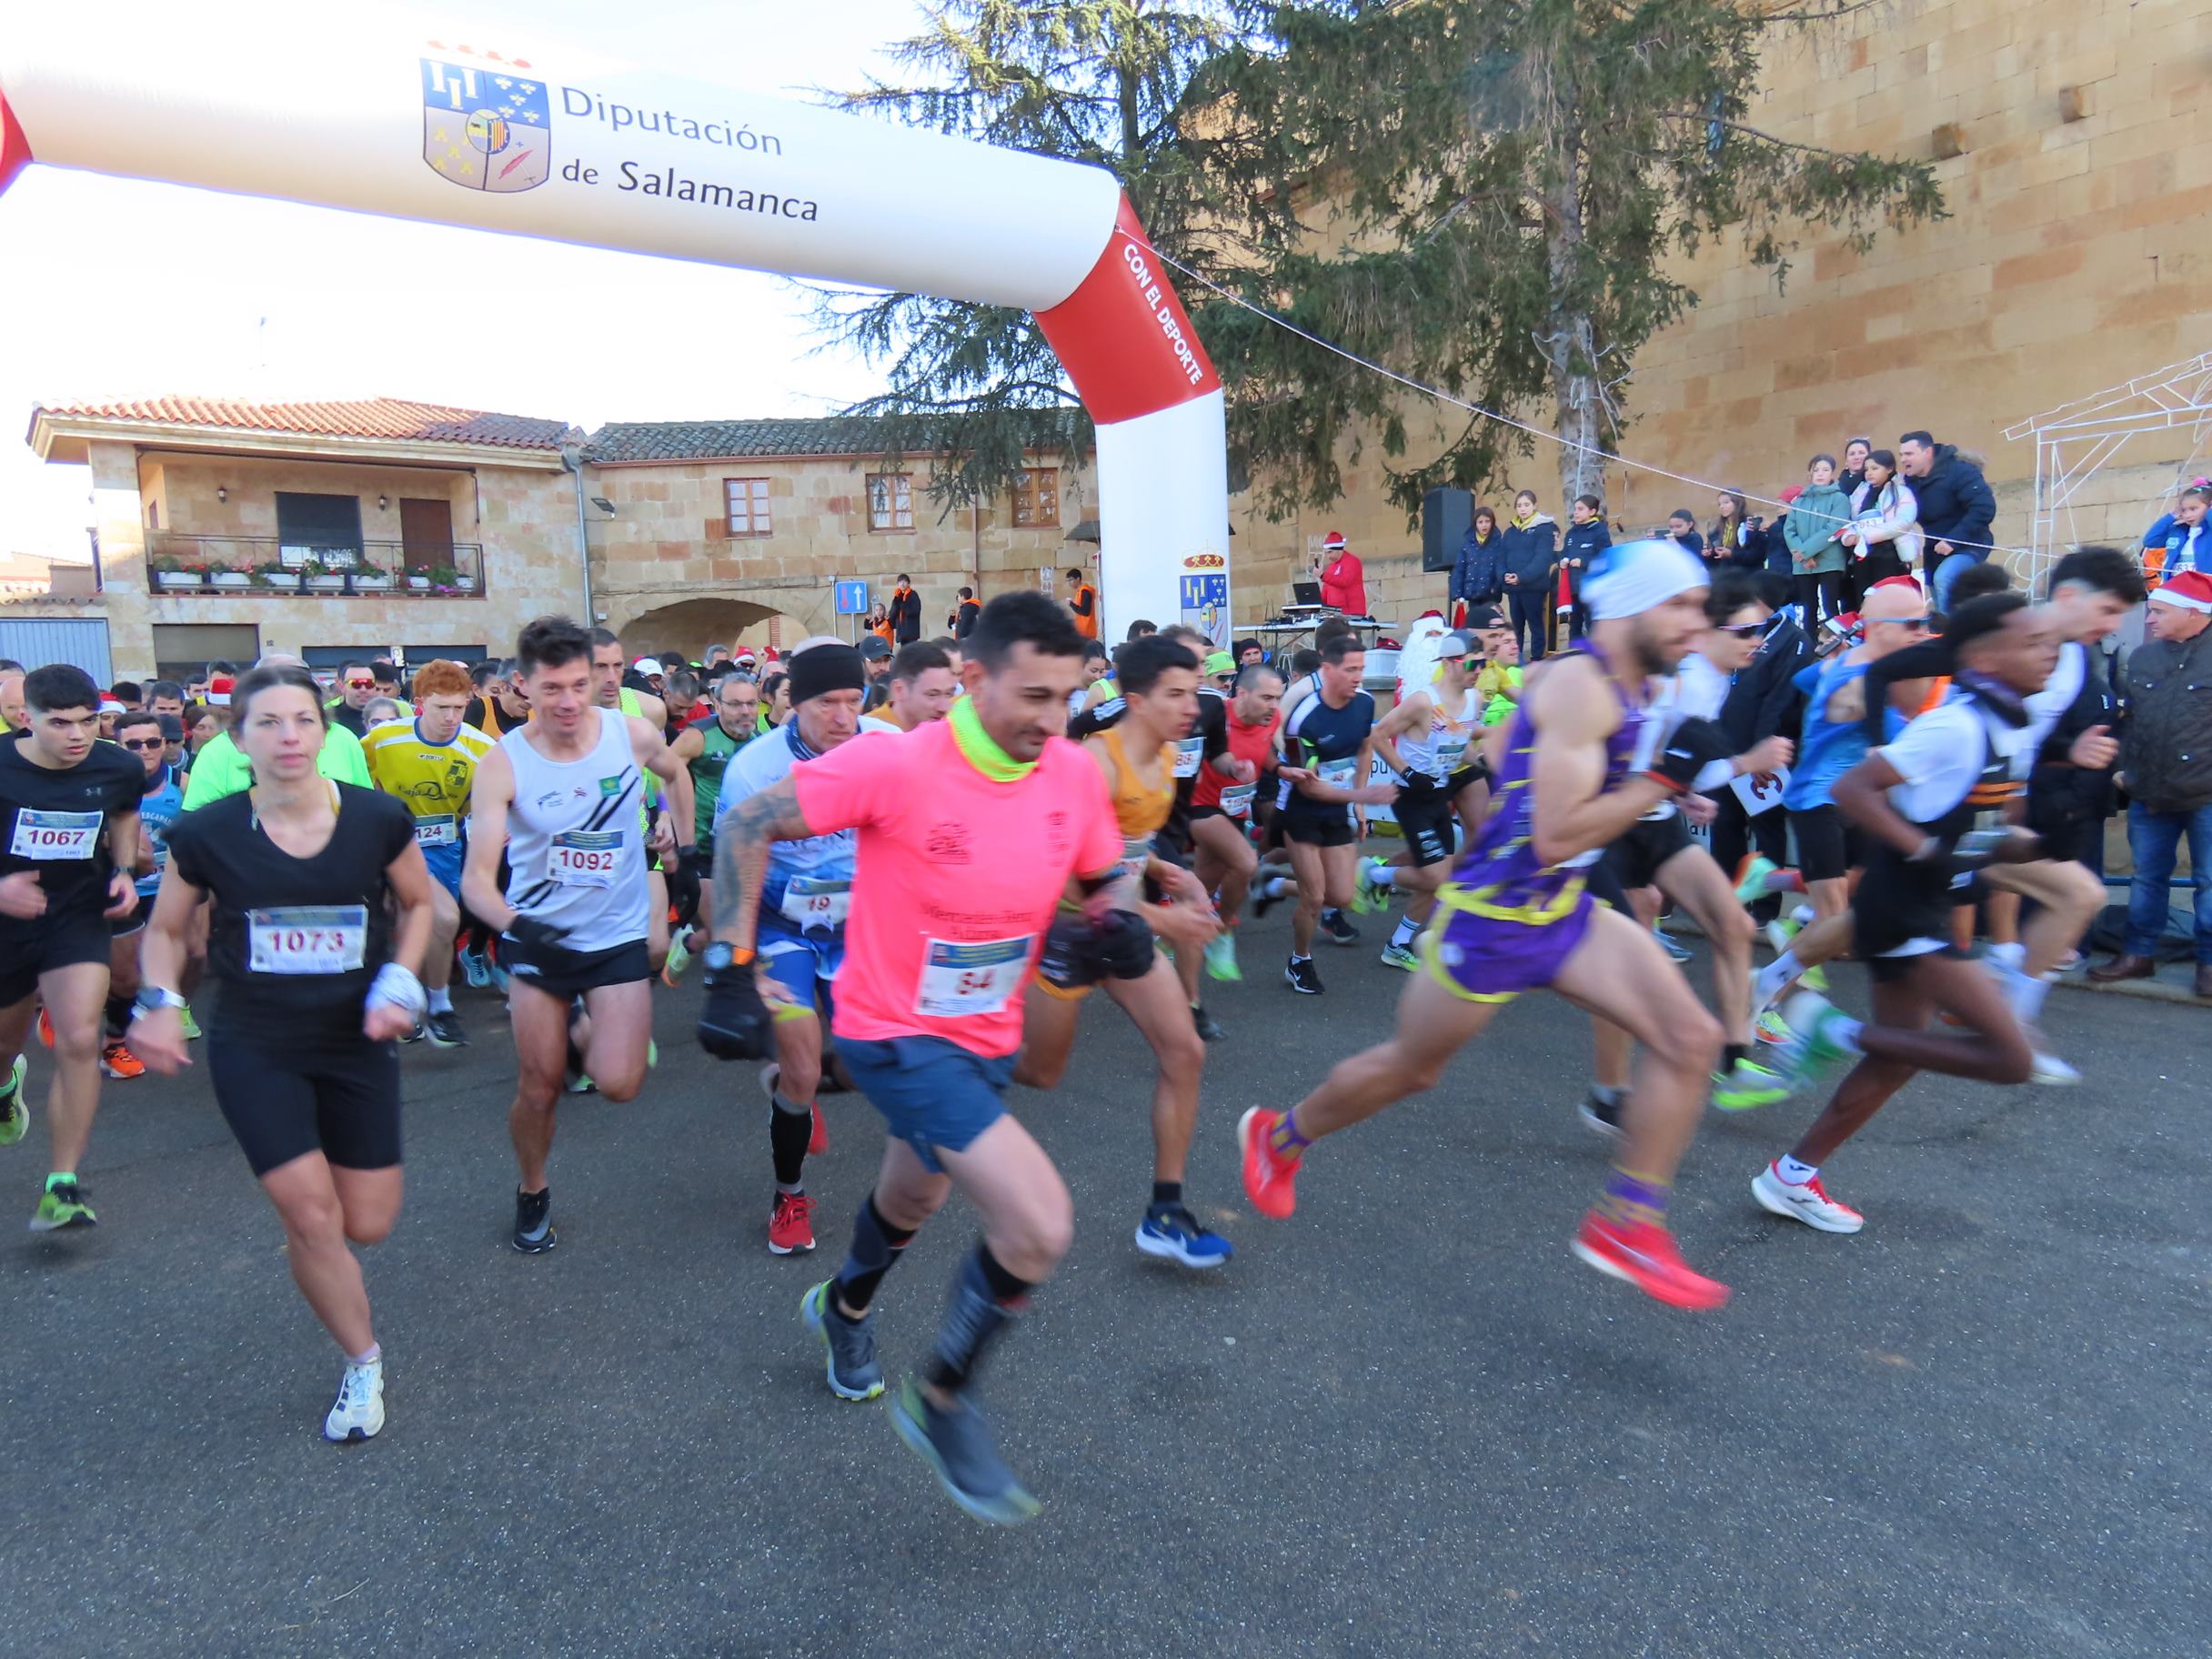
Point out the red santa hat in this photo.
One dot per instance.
(1333, 542)
(1897, 581)
(2191, 590)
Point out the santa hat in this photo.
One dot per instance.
(1333, 542)
(1897, 581)
(2192, 590)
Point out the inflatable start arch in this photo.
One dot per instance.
(423, 118)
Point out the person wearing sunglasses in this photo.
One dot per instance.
(162, 805)
(356, 690)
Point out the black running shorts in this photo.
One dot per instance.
(281, 1102)
(569, 973)
(1427, 823)
(1637, 857)
(1827, 847)
(28, 948)
(1316, 830)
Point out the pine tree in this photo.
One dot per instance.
(1497, 187)
(1107, 82)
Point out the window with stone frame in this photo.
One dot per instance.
(890, 501)
(745, 503)
(1037, 499)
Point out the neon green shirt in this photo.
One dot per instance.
(222, 769)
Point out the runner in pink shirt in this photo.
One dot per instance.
(969, 832)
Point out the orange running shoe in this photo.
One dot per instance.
(45, 1030)
(1267, 1174)
(818, 1143)
(1645, 1256)
(790, 1225)
(118, 1061)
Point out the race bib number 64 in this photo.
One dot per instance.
(971, 978)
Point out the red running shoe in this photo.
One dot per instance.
(790, 1225)
(1645, 1256)
(818, 1143)
(1268, 1175)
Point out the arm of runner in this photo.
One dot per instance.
(654, 756)
(123, 845)
(742, 835)
(490, 790)
(689, 745)
(159, 1037)
(1395, 725)
(1862, 796)
(409, 876)
(1573, 812)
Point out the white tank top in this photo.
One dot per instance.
(575, 844)
(1437, 750)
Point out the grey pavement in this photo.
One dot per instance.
(1404, 1421)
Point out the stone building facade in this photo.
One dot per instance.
(2075, 257)
(738, 531)
(472, 519)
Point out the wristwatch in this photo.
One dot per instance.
(721, 954)
(152, 999)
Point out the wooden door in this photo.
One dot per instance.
(426, 533)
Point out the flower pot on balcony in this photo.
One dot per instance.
(169, 581)
(326, 584)
(231, 579)
(282, 579)
(466, 584)
(372, 584)
(421, 584)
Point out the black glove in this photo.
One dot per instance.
(734, 1022)
(698, 858)
(1068, 961)
(1979, 849)
(683, 888)
(534, 934)
(1123, 943)
(1694, 746)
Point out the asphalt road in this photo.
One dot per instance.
(1405, 1422)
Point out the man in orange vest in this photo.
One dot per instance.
(1084, 603)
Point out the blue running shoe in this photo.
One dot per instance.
(957, 1445)
(1174, 1235)
(476, 968)
(850, 1345)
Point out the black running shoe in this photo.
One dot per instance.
(1262, 900)
(1303, 977)
(445, 1029)
(1337, 928)
(1209, 1028)
(1605, 1119)
(534, 1234)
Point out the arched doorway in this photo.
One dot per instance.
(690, 625)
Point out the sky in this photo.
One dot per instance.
(115, 288)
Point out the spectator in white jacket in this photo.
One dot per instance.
(1884, 536)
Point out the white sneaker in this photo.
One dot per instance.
(358, 1413)
(1809, 1203)
(2053, 1072)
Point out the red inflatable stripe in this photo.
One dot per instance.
(1123, 335)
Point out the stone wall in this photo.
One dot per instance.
(667, 545)
(523, 515)
(2075, 257)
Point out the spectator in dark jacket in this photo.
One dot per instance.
(1586, 537)
(1478, 574)
(1682, 528)
(1733, 537)
(906, 611)
(1530, 553)
(965, 615)
(1958, 509)
(1762, 703)
(2166, 767)
(1854, 464)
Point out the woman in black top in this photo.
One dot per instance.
(320, 894)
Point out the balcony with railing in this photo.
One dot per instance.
(181, 564)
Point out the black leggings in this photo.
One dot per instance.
(285, 1100)
(1820, 595)
(1735, 833)
(1530, 613)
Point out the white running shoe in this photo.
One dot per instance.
(2053, 1072)
(1809, 1203)
(358, 1413)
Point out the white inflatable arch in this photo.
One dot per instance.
(424, 118)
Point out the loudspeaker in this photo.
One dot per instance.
(1445, 515)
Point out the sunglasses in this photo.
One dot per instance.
(143, 743)
(1742, 631)
(360, 685)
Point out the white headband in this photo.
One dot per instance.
(1634, 577)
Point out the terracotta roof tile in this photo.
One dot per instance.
(862, 435)
(377, 418)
